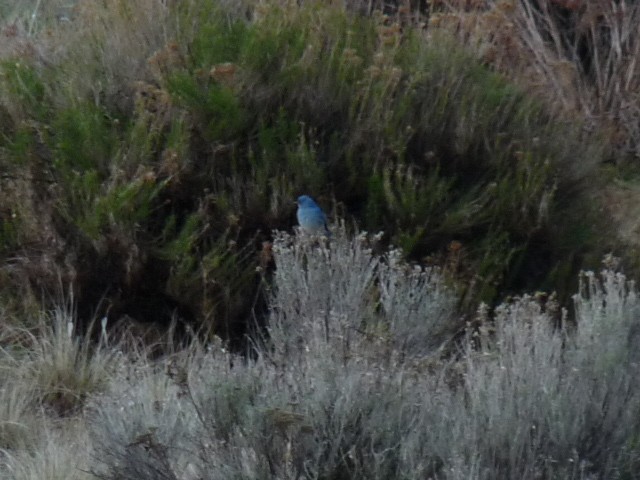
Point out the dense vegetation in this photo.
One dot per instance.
(147, 178)
(148, 151)
(348, 385)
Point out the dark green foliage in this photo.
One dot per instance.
(219, 111)
(24, 82)
(9, 227)
(219, 39)
(81, 139)
(18, 145)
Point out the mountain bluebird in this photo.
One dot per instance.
(311, 218)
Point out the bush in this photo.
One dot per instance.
(321, 398)
(227, 118)
(334, 392)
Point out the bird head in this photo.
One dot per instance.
(305, 201)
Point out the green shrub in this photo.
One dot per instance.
(229, 118)
(25, 88)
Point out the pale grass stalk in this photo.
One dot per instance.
(63, 451)
(583, 59)
(17, 421)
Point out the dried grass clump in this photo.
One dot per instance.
(93, 49)
(47, 373)
(60, 451)
(581, 56)
(17, 422)
(59, 365)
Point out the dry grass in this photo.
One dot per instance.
(97, 50)
(60, 366)
(580, 56)
(62, 450)
(343, 387)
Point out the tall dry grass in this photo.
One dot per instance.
(581, 56)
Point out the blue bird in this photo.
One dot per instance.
(311, 218)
